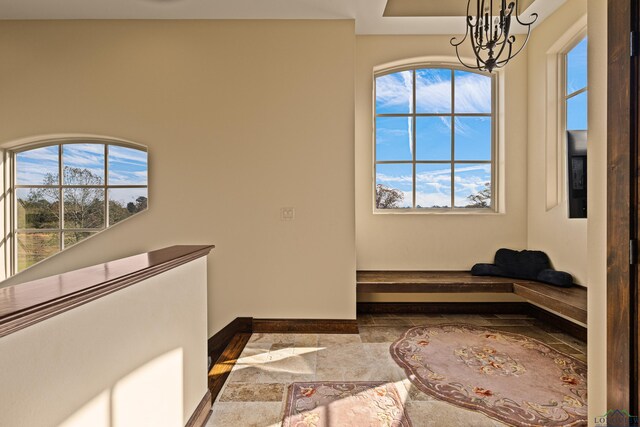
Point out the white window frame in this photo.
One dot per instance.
(556, 135)
(494, 208)
(12, 225)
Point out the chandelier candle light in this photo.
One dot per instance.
(490, 34)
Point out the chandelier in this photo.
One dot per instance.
(490, 35)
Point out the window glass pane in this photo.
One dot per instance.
(394, 93)
(34, 247)
(37, 167)
(577, 112)
(473, 138)
(393, 138)
(433, 138)
(38, 207)
(73, 237)
(127, 166)
(83, 207)
(472, 185)
(472, 93)
(433, 185)
(394, 185)
(577, 67)
(433, 90)
(83, 164)
(125, 202)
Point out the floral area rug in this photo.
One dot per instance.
(339, 404)
(510, 377)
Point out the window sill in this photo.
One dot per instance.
(462, 212)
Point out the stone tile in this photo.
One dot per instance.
(329, 340)
(413, 392)
(244, 374)
(437, 414)
(582, 357)
(249, 365)
(548, 328)
(471, 319)
(377, 334)
(281, 346)
(426, 321)
(562, 347)
(252, 392)
(513, 316)
(488, 316)
(416, 315)
(392, 321)
(379, 356)
(297, 339)
(246, 414)
(510, 322)
(579, 345)
(366, 319)
(289, 364)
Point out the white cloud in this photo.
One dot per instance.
(433, 188)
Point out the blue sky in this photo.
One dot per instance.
(127, 166)
(472, 134)
(576, 80)
(394, 95)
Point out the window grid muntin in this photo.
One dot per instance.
(60, 187)
(568, 97)
(414, 115)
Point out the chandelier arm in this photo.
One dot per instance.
(500, 64)
(533, 17)
(465, 64)
(476, 51)
(523, 44)
(503, 45)
(466, 34)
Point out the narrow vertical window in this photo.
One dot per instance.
(576, 127)
(434, 140)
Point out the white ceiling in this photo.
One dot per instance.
(368, 14)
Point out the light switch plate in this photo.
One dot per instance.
(287, 214)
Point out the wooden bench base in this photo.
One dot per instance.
(569, 302)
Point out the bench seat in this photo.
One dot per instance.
(570, 302)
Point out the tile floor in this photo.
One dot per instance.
(254, 393)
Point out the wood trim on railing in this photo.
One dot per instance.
(28, 303)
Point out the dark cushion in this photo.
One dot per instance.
(523, 264)
(529, 265)
(486, 270)
(556, 278)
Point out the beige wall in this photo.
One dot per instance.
(436, 241)
(597, 232)
(549, 228)
(69, 370)
(241, 118)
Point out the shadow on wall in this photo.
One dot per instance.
(152, 395)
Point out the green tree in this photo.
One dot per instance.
(387, 197)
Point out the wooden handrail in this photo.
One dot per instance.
(28, 303)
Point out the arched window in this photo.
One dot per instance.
(434, 140)
(68, 190)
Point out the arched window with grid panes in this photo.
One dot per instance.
(435, 140)
(68, 190)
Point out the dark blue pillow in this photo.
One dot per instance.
(529, 265)
(556, 278)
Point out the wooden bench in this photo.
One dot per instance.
(570, 302)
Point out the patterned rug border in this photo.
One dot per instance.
(409, 374)
(290, 395)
